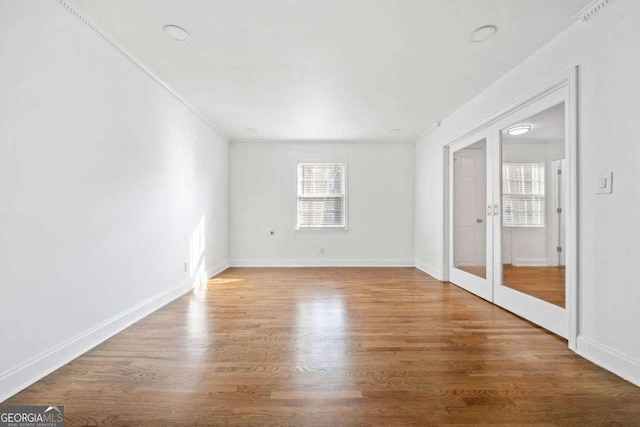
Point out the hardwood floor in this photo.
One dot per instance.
(545, 283)
(334, 347)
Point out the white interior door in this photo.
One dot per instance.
(470, 231)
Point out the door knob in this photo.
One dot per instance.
(479, 220)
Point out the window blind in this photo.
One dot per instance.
(321, 195)
(523, 194)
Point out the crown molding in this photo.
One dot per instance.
(587, 13)
(80, 14)
(434, 126)
(321, 141)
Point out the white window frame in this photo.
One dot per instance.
(324, 228)
(516, 196)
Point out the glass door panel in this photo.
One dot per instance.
(469, 199)
(470, 228)
(530, 279)
(532, 206)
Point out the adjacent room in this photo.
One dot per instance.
(319, 212)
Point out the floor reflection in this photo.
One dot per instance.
(198, 337)
(545, 283)
(321, 325)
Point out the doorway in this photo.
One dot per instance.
(511, 211)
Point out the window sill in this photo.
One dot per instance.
(337, 230)
(525, 226)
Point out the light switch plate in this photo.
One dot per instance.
(604, 183)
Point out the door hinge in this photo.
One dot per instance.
(559, 248)
(559, 210)
(559, 171)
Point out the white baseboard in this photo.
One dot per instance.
(436, 273)
(322, 262)
(620, 364)
(530, 262)
(19, 378)
(216, 269)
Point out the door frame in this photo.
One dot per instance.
(567, 82)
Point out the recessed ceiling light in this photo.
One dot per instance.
(177, 33)
(519, 130)
(483, 33)
(252, 130)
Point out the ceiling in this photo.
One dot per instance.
(546, 126)
(379, 70)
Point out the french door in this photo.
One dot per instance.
(471, 216)
(507, 210)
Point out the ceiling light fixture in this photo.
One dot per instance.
(177, 33)
(483, 33)
(519, 130)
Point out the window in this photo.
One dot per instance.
(523, 194)
(321, 196)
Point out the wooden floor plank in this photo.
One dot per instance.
(334, 346)
(316, 395)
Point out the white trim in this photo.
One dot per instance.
(322, 262)
(325, 230)
(620, 364)
(446, 223)
(434, 126)
(530, 262)
(430, 270)
(78, 12)
(572, 214)
(587, 12)
(217, 268)
(321, 141)
(37, 368)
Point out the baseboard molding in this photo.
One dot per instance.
(17, 379)
(217, 268)
(436, 273)
(322, 262)
(620, 364)
(530, 262)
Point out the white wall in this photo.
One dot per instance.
(104, 177)
(606, 48)
(379, 196)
